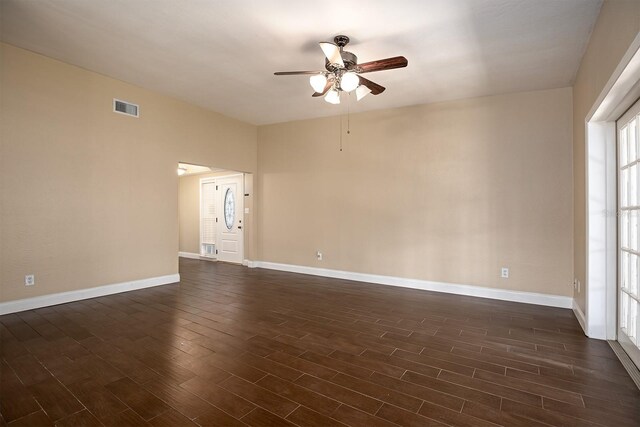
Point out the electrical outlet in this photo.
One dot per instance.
(319, 255)
(504, 273)
(29, 280)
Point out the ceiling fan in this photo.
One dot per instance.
(343, 72)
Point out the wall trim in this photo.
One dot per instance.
(189, 255)
(580, 316)
(449, 288)
(80, 294)
(249, 263)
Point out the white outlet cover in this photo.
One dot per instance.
(504, 273)
(29, 280)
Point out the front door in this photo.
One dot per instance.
(230, 239)
(629, 238)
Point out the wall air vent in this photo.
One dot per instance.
(124, 107)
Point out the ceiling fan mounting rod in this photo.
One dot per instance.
(341, 41)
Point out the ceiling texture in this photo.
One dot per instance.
(222, 54)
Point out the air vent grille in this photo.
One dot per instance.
(124, 107)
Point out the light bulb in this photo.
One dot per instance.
(332, 97)
(349, 81)
(361, 92)
(317, 82)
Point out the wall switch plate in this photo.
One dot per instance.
(29, 280)
(504, 273)
(319, 255)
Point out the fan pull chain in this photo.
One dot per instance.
(349, 114)
(340, 132)
(348, 119)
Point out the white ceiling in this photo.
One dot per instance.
(222, 54)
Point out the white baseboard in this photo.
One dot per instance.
(190, 255)
(580, 316)
(64, 297)
(450, 288)
(249, 263)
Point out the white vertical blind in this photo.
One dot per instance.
(208, 214)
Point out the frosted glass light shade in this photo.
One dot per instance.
(332, 97)
(362, 91)
(332, 52)
(349, 81)
(317, 82)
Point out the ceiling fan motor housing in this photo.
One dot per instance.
(349, 59)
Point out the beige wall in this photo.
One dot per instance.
(90, 197)
(447, 192)
(189, 213)
(616, 27)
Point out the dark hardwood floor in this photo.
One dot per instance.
(233, 346)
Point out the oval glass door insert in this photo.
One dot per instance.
(229, 208)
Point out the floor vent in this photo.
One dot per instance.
(631, 368)
(124, 107)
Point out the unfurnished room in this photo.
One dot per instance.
(304, 213)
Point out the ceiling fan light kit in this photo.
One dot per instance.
(332, 96)
(318, 82)
(343, 72)
(349, 81)
(362, 91)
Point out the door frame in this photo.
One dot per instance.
(601, 198)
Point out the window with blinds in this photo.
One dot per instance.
(208, 218)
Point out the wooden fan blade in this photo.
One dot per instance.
(296, 73)
(375, 88)
(325, 90)
(332, 52)
(383, 64)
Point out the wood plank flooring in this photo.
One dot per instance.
(233, 346)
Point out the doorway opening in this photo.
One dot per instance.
(212, 213)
